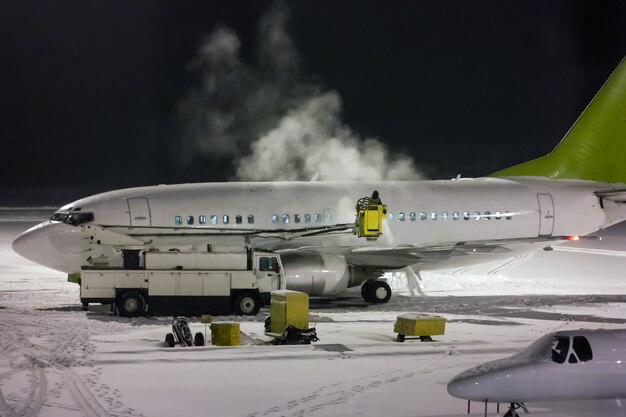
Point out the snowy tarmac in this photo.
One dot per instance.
(57, 360)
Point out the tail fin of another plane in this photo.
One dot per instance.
(595, 146)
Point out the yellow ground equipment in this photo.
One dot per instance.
(419, 325)
(225, 334)
(289, 308)
(370, 214)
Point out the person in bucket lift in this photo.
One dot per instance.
(375, 198)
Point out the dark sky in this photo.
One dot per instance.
(89, 90)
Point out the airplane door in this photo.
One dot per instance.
(546, 214)
(139, 212)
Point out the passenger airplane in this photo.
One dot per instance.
(577, 189)
(561, 366)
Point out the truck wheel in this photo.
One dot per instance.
(169, 340)
(379, 292)
(246, 304)
(130, 303)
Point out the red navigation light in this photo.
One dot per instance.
(573, 238)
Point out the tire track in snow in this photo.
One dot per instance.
(337, 394)
(38, 394)
(82, 396)
(59, 348)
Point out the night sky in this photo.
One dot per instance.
(91, 91)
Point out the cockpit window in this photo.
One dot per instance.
(582, 348)
(560, 346)
(73, 219)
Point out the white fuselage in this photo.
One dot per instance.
(421, 214)
(588, 365)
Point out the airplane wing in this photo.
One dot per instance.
(388, 258)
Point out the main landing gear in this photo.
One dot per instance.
(376, 292)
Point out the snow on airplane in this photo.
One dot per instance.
(577, 189)
(567, 365)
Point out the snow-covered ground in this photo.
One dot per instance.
(57, 360)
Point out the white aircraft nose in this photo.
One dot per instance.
(33, 244)
(468, 388)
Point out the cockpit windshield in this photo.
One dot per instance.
(73, 219)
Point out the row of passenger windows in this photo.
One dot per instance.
(444, 215)
(214, 219)
(328, 217)
(285, 218)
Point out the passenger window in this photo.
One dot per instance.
(318, 218)
(560, 346)
(498, 215)
(477, 215)
(307, 218)
(423, 216)
(509, 216)
(296, 218)
(286, 218)
(444, 215)
(433, 215)
(412, 216)
(582, 348)
(213, 219)
(202, 219)
(390, 217)
(401, 217)
(466, 215)
(225, 219)
(487, 215)
(189, 219)
(238, 219)
(455, 215)
(274, 218)
(178, 220)
(328, 217)
(250, 218)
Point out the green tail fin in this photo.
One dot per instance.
(595, 146)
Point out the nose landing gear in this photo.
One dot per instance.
(513, 407)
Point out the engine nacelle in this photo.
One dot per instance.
(318, 274)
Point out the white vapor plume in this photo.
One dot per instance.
(273, 125)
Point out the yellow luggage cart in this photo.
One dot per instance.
(419, 325)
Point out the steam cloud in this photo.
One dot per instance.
(271, 123)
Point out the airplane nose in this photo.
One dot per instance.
(468, 388)
(33, 244)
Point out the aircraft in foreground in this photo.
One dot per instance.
(575, 190)
(561, 366)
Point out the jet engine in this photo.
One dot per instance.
(322, 274)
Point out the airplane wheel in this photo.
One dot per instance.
(364, 290)
(379, 292)
(130, 303)
(246, 304)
